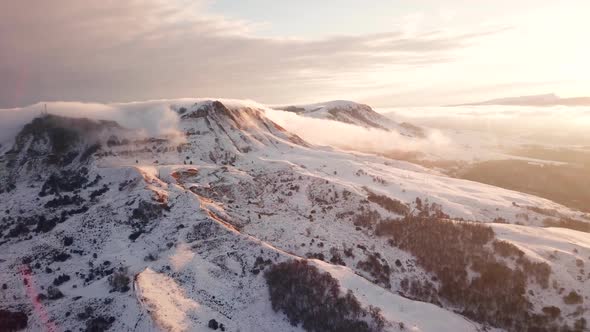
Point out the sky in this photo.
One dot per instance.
(383, 52)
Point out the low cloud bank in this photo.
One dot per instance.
(153, 118)
(543, 125)
(547, 125)
(157, 118)
(348, 136)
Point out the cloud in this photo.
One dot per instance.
(143, 49)
(347, 136)
(543, 125)
(151, 118)
(461, 133)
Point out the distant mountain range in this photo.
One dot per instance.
(550, 99)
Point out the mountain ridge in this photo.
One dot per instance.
(549, 99)
(160, 233)
(353, 113)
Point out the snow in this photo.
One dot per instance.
(398, 309)
(236, 182)
(165, 301)
(562, 249)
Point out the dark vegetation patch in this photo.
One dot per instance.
(422, 290)
(506, 249)
(315, 255)
(133, 236)
(552, 311)
(89, 152)
(124, 184)
(202, 231)
(366, 219)
(65, 181)
(146, 212)
(23, 225)
(99, 271)
(61, 280)
(53, 293)
(52, 128)
(7, 186)
(93, 182)
(391, 205)
(573, 298)
(99, 192)
(568, 223)
(143, 215)
(581, 325)
(565, 184)
(214, 325)
(378, 268)
(64, 200)
(260, 264)
(427, 209)
(336, 257)
(61, 257)
(119, 281)
(314, 300)
(68, 241)
(99, 324)
(496, 295)
(62, 132)
(18, 230)
(13, 320)
(79, 210)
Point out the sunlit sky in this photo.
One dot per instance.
(385, 53)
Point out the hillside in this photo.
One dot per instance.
(208, 228)
(353, 113)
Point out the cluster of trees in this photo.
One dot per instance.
(337, 257)
(119, 281)
(64, 181)
(573, 298)
(64, 200)
(423, 290)
(391, 205)
(506, 249)
(366, 219)
(143, 214)
(450, 249)
(13, 320)
(260, 264)
(427, 209)
(314, 300)
(574, 224)
(202, 230)
(378, 268)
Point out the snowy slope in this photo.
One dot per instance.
(353, 113)
(186, 217)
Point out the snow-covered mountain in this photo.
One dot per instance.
(107, 228)
(353, 113)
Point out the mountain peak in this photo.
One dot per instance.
(355, 114)
(238, 126)
(59, 139)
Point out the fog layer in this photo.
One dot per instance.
(543, 125)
